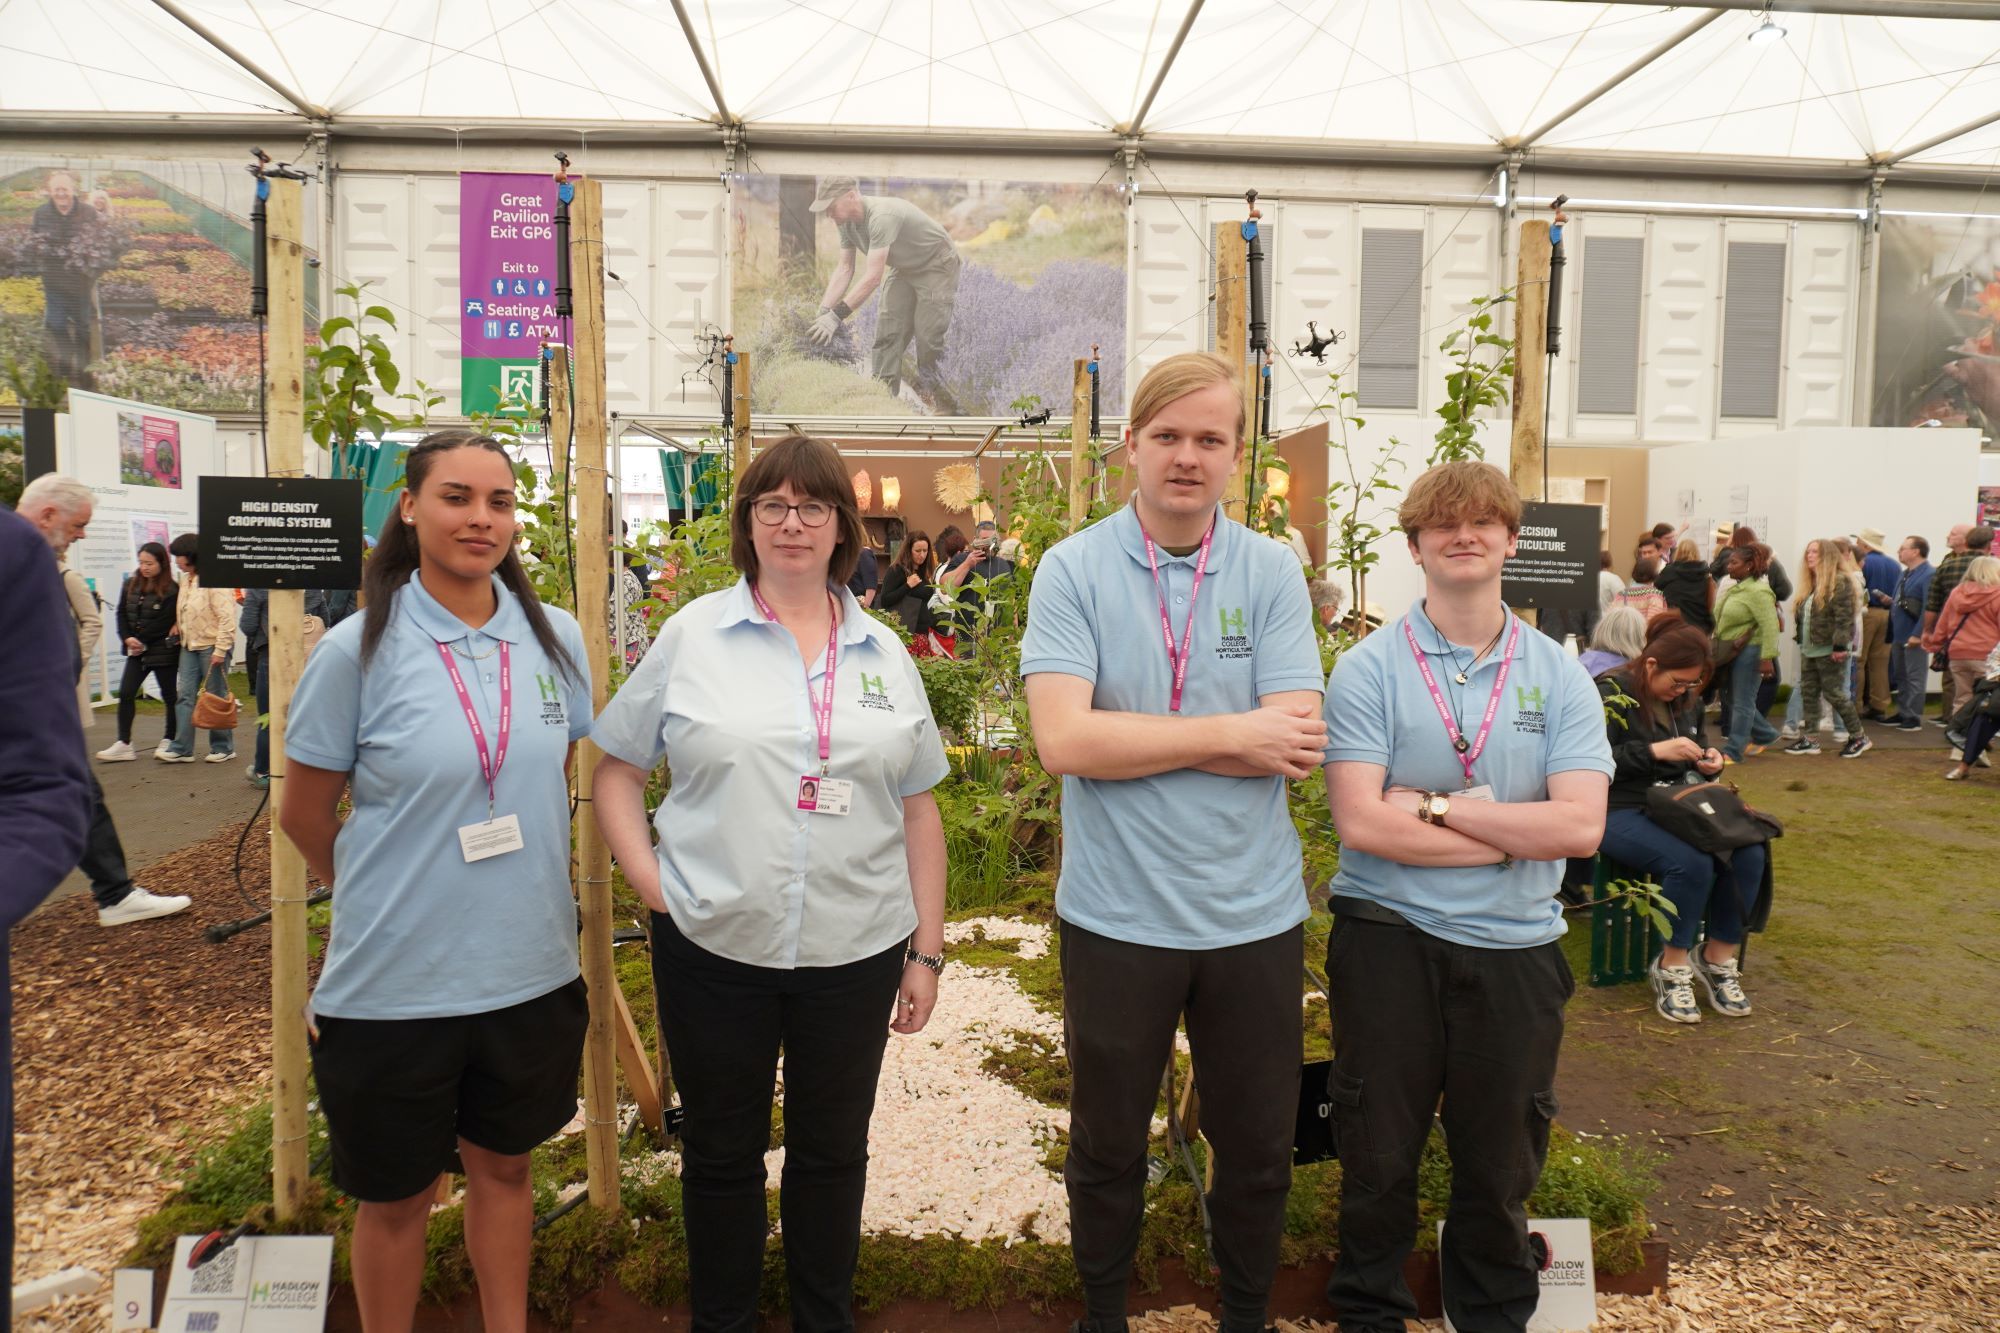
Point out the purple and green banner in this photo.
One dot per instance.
(507, 289)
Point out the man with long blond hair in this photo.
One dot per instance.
(1466, 760)
(1173, 681)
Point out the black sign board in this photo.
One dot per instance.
(280, 532)
(1555, 561)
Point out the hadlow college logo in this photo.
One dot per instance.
(1235, 641)
(1530, 711)
(552, 701)
(874, 694)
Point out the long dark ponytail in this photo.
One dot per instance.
(396, 557)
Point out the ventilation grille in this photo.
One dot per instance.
(1753, 312)
(1392, 262)
(1607, 345)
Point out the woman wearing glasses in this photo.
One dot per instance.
(1653, 714)
(797, 886)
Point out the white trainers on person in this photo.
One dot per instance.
(118, 752)
(1723, 983)
(1673, 993)
(140, 905)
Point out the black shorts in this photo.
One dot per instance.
(400, 1093)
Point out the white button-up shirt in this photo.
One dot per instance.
(725, 698)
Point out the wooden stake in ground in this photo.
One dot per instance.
(593, 606)
(1079, 445)
(740, 415)
(284, 383)
(1531, 360)
(1232, 338)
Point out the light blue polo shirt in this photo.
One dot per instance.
(1550, 720)
(1185, 859)
(417, 931)
(726, 699)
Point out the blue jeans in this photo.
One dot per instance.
(1688, 875)
(1916, 674)
(1747, 726)
(194, 667)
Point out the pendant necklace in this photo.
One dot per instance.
(470, 656)
(1462, 677)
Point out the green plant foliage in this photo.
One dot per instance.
(953, 690)
(34, 382)
(353, 388)
(12, 468)
(1482, 369)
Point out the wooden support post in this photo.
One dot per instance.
(1232, 340)
(1531, 360)
(1079, 445)
(284, 384)
(740, 444)
(638, 1067)
(593, 607)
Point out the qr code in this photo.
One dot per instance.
(217, 1277)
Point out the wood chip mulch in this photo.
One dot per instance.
(130, 1043)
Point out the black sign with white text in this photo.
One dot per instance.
(1555, 558)
(280, 532)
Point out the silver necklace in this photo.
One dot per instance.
(472, 656)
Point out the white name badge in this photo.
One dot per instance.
(494, 837)
(1483, 792)
(826, 796)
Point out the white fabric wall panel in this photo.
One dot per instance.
(1682, 329)
(1315, 282)
(434, 254)
(686, 282)
(1169, 282)
(628, 209)
(372, 228)
(1463, 247)
(1820, 337)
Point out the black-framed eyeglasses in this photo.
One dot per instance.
(812, 513)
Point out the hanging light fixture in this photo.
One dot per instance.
(1277, 482)
(1767, 32)
(864, 491)
(892, 495)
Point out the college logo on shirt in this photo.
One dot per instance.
(1235, 644)
(874, 694)
(553, 713)
(1531, 716)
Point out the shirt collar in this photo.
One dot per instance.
(1130, 536)
(739, 607)
(509, 622)
(1430, 638)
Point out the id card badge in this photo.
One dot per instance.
(826, 796)
(493, 837)
(1483, 792)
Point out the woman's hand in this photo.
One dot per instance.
(1767, 668)
(915, 999)
(912, 581)
(1678, 750)
(134, 646)
(1710, 762)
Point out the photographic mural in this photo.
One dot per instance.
(887, 297)
(134, 281)
(1936, 357)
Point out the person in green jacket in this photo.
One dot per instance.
(1825, 634)
(1748, 612)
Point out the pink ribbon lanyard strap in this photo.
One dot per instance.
(489, 762)
(1468, 755)
(1177, 658)
(822, 707)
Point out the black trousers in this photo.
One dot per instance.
(1121, 1004)
(103, 855)
(724, 1024)
(1416, 1018)
(136, 671)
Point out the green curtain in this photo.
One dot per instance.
(380, 468)
(673, 470)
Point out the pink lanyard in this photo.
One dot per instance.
(489, 763)
(823, 706)
(1468, 755)
(1178, 659)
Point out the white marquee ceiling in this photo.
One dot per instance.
(1471, 77)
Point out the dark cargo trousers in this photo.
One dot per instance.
(1121, 1004)
(1416, 1018)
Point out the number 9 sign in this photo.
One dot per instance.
(132, 1299)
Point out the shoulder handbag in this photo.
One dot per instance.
(1941, 659)
(215, 710)
(1710, 816)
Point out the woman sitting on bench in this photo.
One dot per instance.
(1656, 737)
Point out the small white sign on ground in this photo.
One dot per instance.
(261, 1284)
(131, 1299)
(1569, 1279)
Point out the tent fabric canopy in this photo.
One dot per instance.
(1495, 75)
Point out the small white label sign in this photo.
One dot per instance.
(1569, 1279)
(131, 1299)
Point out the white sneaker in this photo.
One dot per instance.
(139, 905)
(168, 756)
(221, 756)
(1790, 731)
(1673, 992)
(1826, 724)
(1840, 735)
(163, 747)
(118, 752)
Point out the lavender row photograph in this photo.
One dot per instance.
(893, 297)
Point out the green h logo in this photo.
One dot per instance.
(260, 1291)
(547, 685)
(1528, 700)
(1232, 619)
(872, 684)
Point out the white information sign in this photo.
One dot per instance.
(261, 1284)
(131, 1299)
(1569, 1279)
